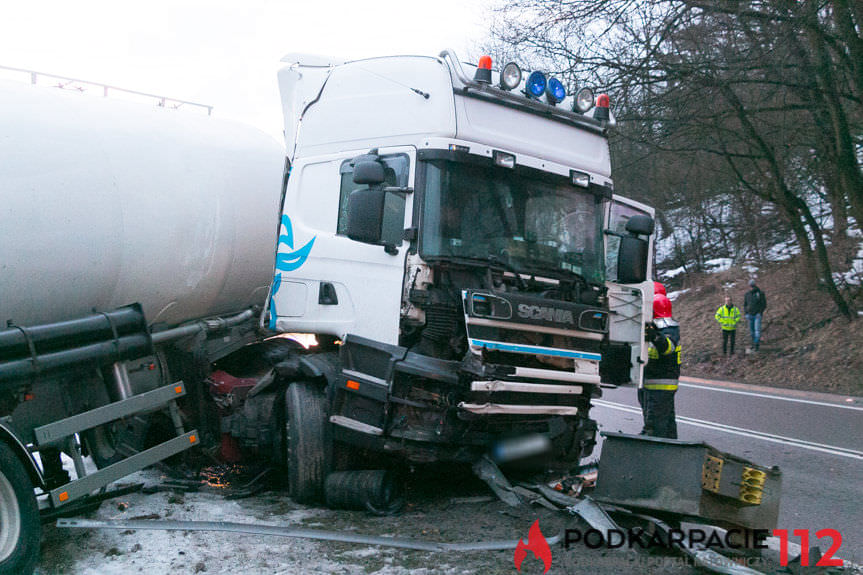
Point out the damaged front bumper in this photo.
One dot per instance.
(389, 399)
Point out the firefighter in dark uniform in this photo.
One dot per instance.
(656, 395)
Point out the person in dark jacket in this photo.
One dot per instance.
(656, 394)
(754, 305)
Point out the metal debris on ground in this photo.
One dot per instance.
(278, 531)
(232, 480)
(378, 490)
(795, 566)
(472, 500)
(488, 471)
(625, 490)
(594, 515)
(255, 485)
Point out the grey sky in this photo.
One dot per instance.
(222, 53)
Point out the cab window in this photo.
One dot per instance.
(396, 170)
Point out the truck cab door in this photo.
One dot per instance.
(630, 305)
(325, 282)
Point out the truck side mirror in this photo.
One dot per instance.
(369, 172)
(640, 225)
(366, 213)
(632, 252)
(632, 260)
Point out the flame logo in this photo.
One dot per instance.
(536, 544)
(286, 261)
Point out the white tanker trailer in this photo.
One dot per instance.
(117, 221)
(107, 202)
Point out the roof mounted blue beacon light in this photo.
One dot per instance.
(556, 92)
(535, 85)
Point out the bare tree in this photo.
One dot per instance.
(757, 99)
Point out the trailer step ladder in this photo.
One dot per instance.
(63, 432)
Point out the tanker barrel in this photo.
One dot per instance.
(104, 339)
(15, 342)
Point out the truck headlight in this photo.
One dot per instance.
(583, 100)
(510, 77)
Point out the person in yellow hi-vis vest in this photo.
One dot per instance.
(656, 394)
(728, 315)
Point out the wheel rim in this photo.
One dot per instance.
(10, 518)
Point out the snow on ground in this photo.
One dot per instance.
(783, 251)
(676, 294)
(431, 514)
(115, 552)
(718, 265)
(122, 552)
(668, 274)
(853, 276)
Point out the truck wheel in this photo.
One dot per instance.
(20, 527)
(102, 444)
(306, 441)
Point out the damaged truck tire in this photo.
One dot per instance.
(306, 440)
(20, 526)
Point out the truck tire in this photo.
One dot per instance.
(20, 526)
(117, 440)
(102, 444)
(306, 441)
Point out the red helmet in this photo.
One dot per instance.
(661, 306)
(659, 288)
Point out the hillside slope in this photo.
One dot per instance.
(805, 344)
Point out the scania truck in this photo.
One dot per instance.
(447, 238)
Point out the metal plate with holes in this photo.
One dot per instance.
(683, 480)
(711, 473)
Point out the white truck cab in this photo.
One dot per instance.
(460, 241)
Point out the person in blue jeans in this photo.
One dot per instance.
(754, 305)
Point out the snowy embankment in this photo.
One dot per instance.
(679, 240)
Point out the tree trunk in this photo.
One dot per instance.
(848, 174)
(825, 269)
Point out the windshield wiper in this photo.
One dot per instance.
(496, 261)
(576, 275)
(557, 272)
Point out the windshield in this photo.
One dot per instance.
(532, 224)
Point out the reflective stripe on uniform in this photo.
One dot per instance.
(661, 384)
(653, 353)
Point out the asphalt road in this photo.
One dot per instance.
(815, 439)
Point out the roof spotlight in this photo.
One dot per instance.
(535, 85)
(510, 77)
(583, 101)
(556, 92)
